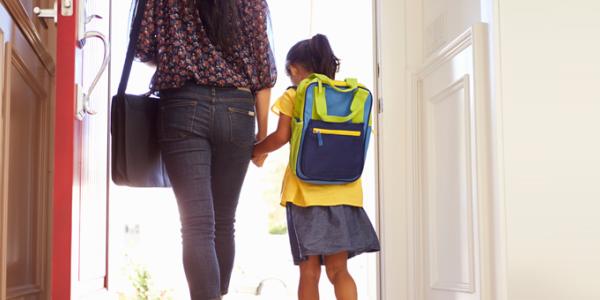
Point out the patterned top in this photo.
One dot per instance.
(173, 37)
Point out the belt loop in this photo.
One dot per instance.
(213, 91)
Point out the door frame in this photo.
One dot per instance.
(398, 48)
(391, 64)
(64, 164)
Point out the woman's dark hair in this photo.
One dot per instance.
(315, 55)
(221, 21)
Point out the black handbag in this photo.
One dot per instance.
(136, 158)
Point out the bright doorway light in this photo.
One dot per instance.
(145, 240)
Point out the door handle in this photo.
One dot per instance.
(83, 98)
(43, 14)
(46, 13)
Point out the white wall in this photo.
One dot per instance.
(548, 120)
(444, 20)
(392, 153)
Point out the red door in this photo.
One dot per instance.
(79, 232)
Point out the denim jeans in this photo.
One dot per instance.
(206, 137)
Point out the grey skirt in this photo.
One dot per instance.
(326, 230)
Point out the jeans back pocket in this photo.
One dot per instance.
(241, 125)
(177, 119)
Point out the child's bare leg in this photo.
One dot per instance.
(337, 272)
(310, 272)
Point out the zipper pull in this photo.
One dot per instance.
(320, 138)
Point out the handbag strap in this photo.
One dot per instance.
(133, 37)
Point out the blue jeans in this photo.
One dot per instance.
(206, 137)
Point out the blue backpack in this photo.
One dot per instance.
(331, 128)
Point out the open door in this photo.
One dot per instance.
(79, 232)
(451, 212)
(27, 72)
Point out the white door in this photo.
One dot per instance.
(450, 101)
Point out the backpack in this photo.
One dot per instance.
(331, 127)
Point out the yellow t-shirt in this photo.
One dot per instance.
(304, 194)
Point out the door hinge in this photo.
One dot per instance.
(66, 8)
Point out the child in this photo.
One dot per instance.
(326, 223)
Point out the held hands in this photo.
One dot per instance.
(268, 144)
(258, 159)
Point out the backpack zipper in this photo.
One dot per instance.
(336, 132)
(320, 132)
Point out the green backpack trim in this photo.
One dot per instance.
(319, 111)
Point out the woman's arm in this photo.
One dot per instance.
(276, 139)
(262, 112)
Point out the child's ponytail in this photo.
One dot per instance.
(315, 55)
(325, 62)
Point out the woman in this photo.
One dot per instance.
(213, 64)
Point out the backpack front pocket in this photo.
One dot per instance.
(320, 132)
(332, 152)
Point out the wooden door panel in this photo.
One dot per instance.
(16, 13)
(31, 62)
(21, 198)
(28, 6)
(26, 199)
(25, 165)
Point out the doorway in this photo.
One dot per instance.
(145, 242)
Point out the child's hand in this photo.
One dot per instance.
(259, 160)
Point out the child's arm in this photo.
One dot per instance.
(262, 112)
(276, 139)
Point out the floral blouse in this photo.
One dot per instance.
(173, 37)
